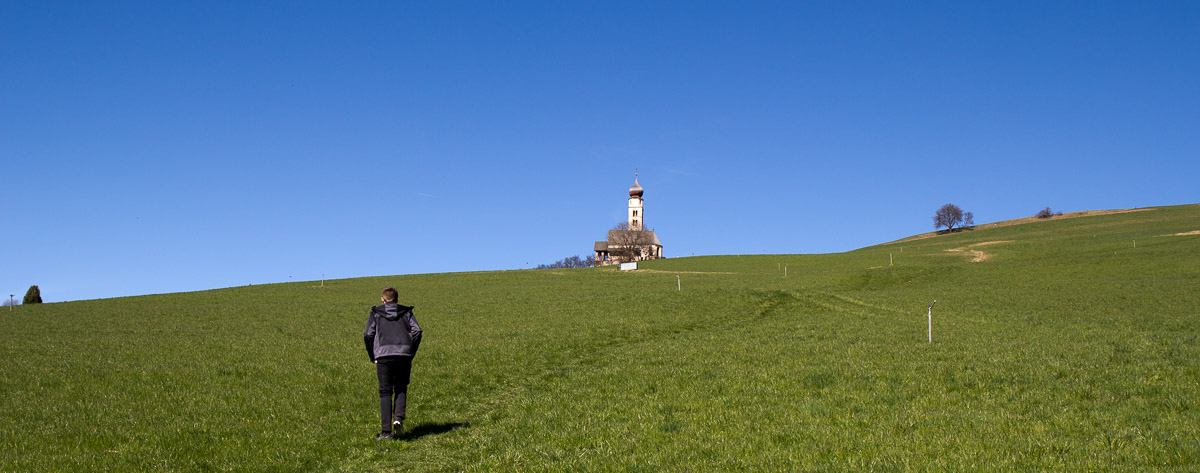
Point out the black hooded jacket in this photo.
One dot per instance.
(391, 331)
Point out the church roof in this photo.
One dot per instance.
(600, 246)
(615, 233)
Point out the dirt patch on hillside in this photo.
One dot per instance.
(974, 255)
(1193, 232)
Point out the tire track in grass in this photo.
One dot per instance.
(764, 303)
(592, 353)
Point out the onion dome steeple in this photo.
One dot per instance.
(636, 190)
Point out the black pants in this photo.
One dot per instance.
(393, 389)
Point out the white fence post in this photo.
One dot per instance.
(931, 321)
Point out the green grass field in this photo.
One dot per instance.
(1063, 348)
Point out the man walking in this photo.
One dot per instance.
(392, 336)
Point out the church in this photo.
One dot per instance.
(630, 241)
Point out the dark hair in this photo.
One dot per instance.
(390, 294)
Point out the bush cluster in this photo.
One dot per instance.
(1046, 213)
(570, 262)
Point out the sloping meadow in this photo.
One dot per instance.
(1057, 345)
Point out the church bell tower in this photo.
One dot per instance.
(637, 217)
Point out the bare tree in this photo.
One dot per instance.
(948, 216)
(968, 220)
(628, 244)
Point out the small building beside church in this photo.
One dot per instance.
(631, 241)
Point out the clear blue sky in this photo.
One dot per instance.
(151, 147)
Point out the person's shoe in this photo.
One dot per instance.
(397, 429)
(383, 436)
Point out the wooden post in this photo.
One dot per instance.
(678, 285)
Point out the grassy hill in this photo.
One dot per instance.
(1058, 345)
